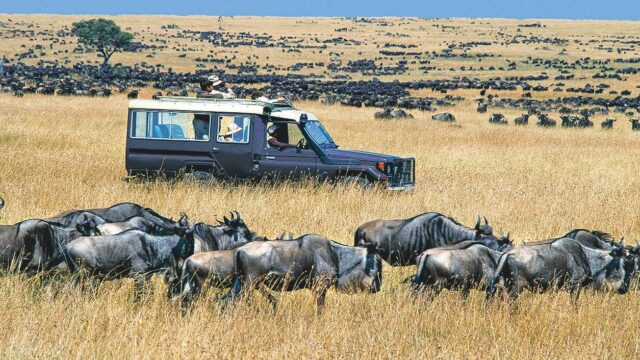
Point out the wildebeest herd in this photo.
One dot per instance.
(127, 240)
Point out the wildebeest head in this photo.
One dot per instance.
(617, 273)
(483, 230)
(186, 245)
(88, 226)
(235, 229)
(504, 243)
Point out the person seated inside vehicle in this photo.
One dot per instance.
(275, 139)
(201, 126)
(233, 133)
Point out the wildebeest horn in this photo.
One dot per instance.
(238, 216)
(1, 203)
(478, 223)
(226, 221)
(485, 221)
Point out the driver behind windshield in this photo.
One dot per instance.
(273, 140)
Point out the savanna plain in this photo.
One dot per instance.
(60, 153)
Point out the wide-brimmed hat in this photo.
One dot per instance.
(232, 129)
(215, 80)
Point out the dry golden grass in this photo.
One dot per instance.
(62, 153)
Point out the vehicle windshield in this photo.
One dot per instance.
(320, 136)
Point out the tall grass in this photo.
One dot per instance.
(63, 153)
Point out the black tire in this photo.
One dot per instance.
(358, 180)
(199, 176)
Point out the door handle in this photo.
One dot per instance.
(215, 150)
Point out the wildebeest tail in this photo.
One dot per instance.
(421, 277)
(492, 287)
(179, 286)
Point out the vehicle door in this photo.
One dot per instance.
(166, 142)
(288, 162)
(231, 147)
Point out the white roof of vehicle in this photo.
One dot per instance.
(240, 106)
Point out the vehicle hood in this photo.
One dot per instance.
(362, 156)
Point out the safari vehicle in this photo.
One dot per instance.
(228, 139)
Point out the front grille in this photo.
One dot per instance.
(401, 172)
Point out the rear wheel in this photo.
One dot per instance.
(199, 176)
(357, 180)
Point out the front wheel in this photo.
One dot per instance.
(357, 180)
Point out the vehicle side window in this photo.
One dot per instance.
(170, 125)
(234, 128)
(285, 132)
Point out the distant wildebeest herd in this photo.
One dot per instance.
(127, 240)
(543, 120)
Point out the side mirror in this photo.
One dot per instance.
(303, 118)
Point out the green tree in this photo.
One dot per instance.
(103, 35)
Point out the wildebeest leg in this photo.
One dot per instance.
(237, 286)
(321, 294)
(272, 299)
(139, 286)
(574, 294)
(466, 288)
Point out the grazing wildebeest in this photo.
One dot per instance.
(229, 234)
(399, 241)
(461, 266)
(446, 117)
(392, 114)
(607, 124)
(498, 119)
(560, 263)
(545, 121)
(635, 124)
(308, 262)
(133, 94)
(522, 120)
(482, 107)
(142, 224)
(132, 253)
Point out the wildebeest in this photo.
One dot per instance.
(482, 107)
(392, 114)
(635, 124)
(212, 267)
(310, 261)
(229, 234)
(132, 253)
(545, 121)
(560, 263)
(116, 213)
(142, 224)
(522, 120)
(607, 124)
(31, 244)
(133, 94)
(497, 119)
(399, 241)
(460, 266)
(446, 117)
